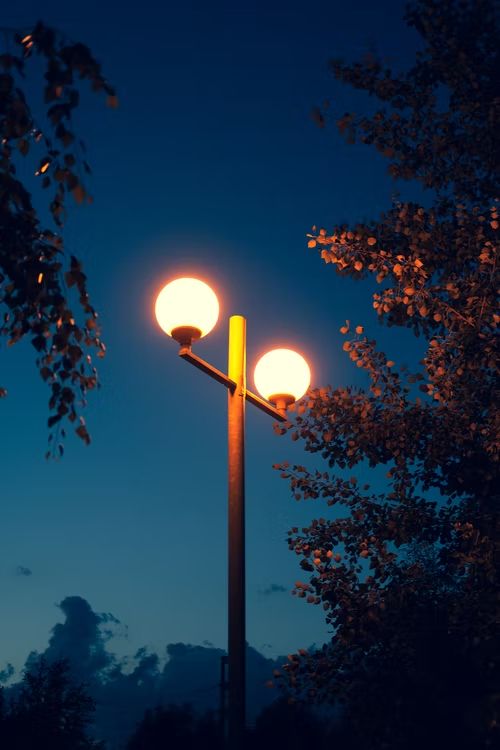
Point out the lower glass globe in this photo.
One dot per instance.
(282, 373)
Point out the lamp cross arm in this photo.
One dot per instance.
(187, 354)
(265, 406)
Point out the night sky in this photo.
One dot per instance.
(212, 165)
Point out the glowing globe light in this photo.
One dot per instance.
(282, 376)
(186, 309)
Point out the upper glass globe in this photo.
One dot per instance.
(282, 373)
(187, 304)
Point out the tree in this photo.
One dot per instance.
(35, 277)
(49, 712)
(284, 724)
(280, 724)
(434, 429)
(175, 727)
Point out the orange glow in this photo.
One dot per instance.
(282, 372)
(187, 302)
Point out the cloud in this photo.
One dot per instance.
(273, 588)
(21, 570)
(124, 689)
(6, 674)
(81, 640)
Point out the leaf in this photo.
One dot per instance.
(81, 431)
(112, 101)
(67, 139)
(358, 265)
(372, 241)
(312, 243)
(78, 193)
(317, 117)
(23, 146)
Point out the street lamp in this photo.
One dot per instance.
(187, 309)
(282, 376)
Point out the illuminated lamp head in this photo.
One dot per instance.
(186, 309)
(282, 376)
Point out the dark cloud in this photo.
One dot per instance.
(21, 570)
(190, 675)
(6, 674)
(124, 689)
(273, 588)
(80, 639)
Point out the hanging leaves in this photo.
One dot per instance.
(32, 257)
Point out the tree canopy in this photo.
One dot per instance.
(175, 727)
(37, 279)
(414, 570)
(49, 711)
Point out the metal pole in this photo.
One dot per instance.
(236, 531)
(222, 699)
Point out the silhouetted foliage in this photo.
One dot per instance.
(290, 725)
(409, 578)
(280, 725)
(175, 728)
(35, 277)
(48, 712)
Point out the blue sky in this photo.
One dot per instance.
(211, 164)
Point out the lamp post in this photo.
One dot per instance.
(187, 309)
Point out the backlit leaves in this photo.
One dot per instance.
(432, 432)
